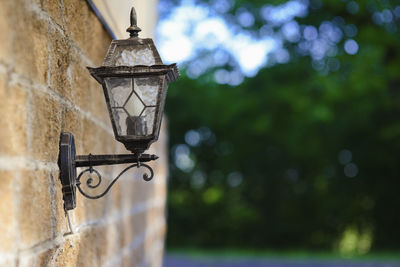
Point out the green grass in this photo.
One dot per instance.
(271, 254)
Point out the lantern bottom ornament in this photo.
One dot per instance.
(68, 163)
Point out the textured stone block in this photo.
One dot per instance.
(95, 139)
(30, 42)
(142, 190)
(6, 32)
(34, 208)
(13, 134)
(45, 259)
(8, 262)
(160, 189)
(27, 260)
(87, 92)
(71, 121)
(54, 10)
(93, 246)
(137, 255)
(64, 256)
(97, 106)
(31, 207)
(80, 76)
(46, 127)
(113, 233)
(92, 39)
(126, 232)
(7, 212)
(90, 132)
(59, 62)
(127, 261)
(89, 209)
(59, 219)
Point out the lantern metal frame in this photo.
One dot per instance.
(68, 161)
(137, 145)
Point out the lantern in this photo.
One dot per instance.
(135, 83)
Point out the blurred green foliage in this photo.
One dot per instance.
(290, 133)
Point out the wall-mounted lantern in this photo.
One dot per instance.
(135, 83)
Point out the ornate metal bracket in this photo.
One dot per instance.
(68, 161)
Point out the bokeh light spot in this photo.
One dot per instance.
(246, 19)
(352, 7)
(234, 179)
(351, 170)
(192, 138)
(310, 33)
(345, 156)
(198, 179)
(351, 47)
(182, 158)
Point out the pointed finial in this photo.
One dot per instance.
(133, 29)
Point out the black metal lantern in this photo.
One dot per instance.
(135, 83)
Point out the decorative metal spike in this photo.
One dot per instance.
(133, 29)
(133, 17)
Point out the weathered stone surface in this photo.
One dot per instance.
(92, 39)
(93, 246)
(65, 255)
(6, 33)
(30, 42)
(58, 64)
(7, 212)
(137, 255)
(127, 261)
(45, 127)
(87, 92)
(33, 207)
(9, 262)
(45, 88)
(27, 260)
(45, 259)
(71, 121)
(13, 133)
(54, 10)
(59, 218)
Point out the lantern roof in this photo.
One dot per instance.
(133, 56)
(132, 52)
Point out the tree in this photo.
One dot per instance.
(303, 151)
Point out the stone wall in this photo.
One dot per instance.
(45, 46)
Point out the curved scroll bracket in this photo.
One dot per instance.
(92, 185)
(68, 161)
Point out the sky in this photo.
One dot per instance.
(201, 37)
(191, 28)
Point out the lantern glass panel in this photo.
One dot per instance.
(133, 103)
(149, 115)
(147, 89)
(120, 118)
(126, 56)
(119, 90)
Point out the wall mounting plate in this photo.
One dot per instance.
(66, 163)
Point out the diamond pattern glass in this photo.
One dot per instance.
(119, 90)
(134, 105)
(147, 88)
